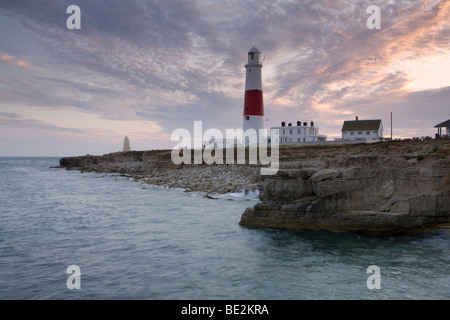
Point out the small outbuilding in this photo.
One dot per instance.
(446, 125)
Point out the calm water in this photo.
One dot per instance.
(137, 241)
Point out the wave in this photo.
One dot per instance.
(243, 195)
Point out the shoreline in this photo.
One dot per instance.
(385, 188)
(211, 179)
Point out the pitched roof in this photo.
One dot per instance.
(362, 125)
(443, 124)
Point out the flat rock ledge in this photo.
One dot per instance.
(360, 222)
(365, 194)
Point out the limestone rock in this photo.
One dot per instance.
(324, 175)
(380, 188)
(156, 167)
(373, 193)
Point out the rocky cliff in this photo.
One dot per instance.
(383, 188)
(156, 167)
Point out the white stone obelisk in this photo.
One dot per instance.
(126, 145)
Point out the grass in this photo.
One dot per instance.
(421, 157)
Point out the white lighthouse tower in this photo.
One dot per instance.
(253, 101)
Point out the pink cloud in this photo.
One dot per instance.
(6, 58)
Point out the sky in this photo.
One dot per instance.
(145, 68)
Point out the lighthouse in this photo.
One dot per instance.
(253, 101)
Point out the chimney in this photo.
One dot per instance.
(356, 118)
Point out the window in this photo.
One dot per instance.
(359, 132)
(345, 132)
(298, 140)
(247, 118)
(375, 132)
(299, 131)
(284, 131)
(290, 131)
(367, 133)
(249, 70)
(352, 133)
(290, 139)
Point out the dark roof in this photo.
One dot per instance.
(443, 124)
(362, 125)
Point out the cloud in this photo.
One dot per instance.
(173, 62)
(9, 116)
(15, 62)
(354, 61)
(18, 121)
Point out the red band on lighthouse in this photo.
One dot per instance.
(253, 103)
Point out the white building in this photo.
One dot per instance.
(362, 130)
(292, 135)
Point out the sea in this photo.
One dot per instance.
(69, 235)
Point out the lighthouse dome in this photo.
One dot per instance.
(253, 57)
